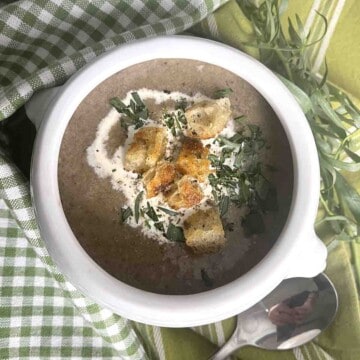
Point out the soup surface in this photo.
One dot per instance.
(92, 204)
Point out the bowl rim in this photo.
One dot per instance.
(173, 310)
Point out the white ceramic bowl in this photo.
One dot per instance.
(297, 252)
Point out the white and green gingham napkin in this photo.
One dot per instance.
(41, 44)
(42, 316)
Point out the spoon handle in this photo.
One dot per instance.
(228, 348)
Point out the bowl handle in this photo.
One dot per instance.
(36, 107)
(311, 260)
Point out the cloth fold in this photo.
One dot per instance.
(41, 314)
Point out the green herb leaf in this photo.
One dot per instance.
(240, 119)
(168, 211)
(175, 121)
(224, 205)
(175, 233)
(302, 98)
(181, 104)
(125, 213)
(333, 118)
(221, 93)
(151, 213)
(134, 114)
(137, 100)
(137, 206)
(159, 226)
(118, 104)
(349, 199)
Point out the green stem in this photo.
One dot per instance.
(286, 65)
(324, 204)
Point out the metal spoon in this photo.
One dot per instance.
(297, 311)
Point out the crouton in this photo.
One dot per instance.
(185, 193)
(193, 160)
(146, 149)
(204, 232)
(207, 118)
(159, 178)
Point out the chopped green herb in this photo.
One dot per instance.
(240, 119)
(137, 100)
(160, 226)
(175, 121)
(125, 213)
(215, 195)
(137, 206)
(150, 212)
(168, 211)
(135, 113)
(224, 205)
(238, 176)
(222, 93)
(181, 104)
(175, 233)
(118, 104)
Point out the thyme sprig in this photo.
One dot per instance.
(332, 116)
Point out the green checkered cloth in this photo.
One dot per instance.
(42, 316)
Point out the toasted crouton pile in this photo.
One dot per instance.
(204, 232)
(207, 118)
(178, 181)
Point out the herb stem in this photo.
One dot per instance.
(286, 64)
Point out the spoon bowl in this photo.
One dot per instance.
(297, 311)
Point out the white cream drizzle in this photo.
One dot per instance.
(128, 182)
